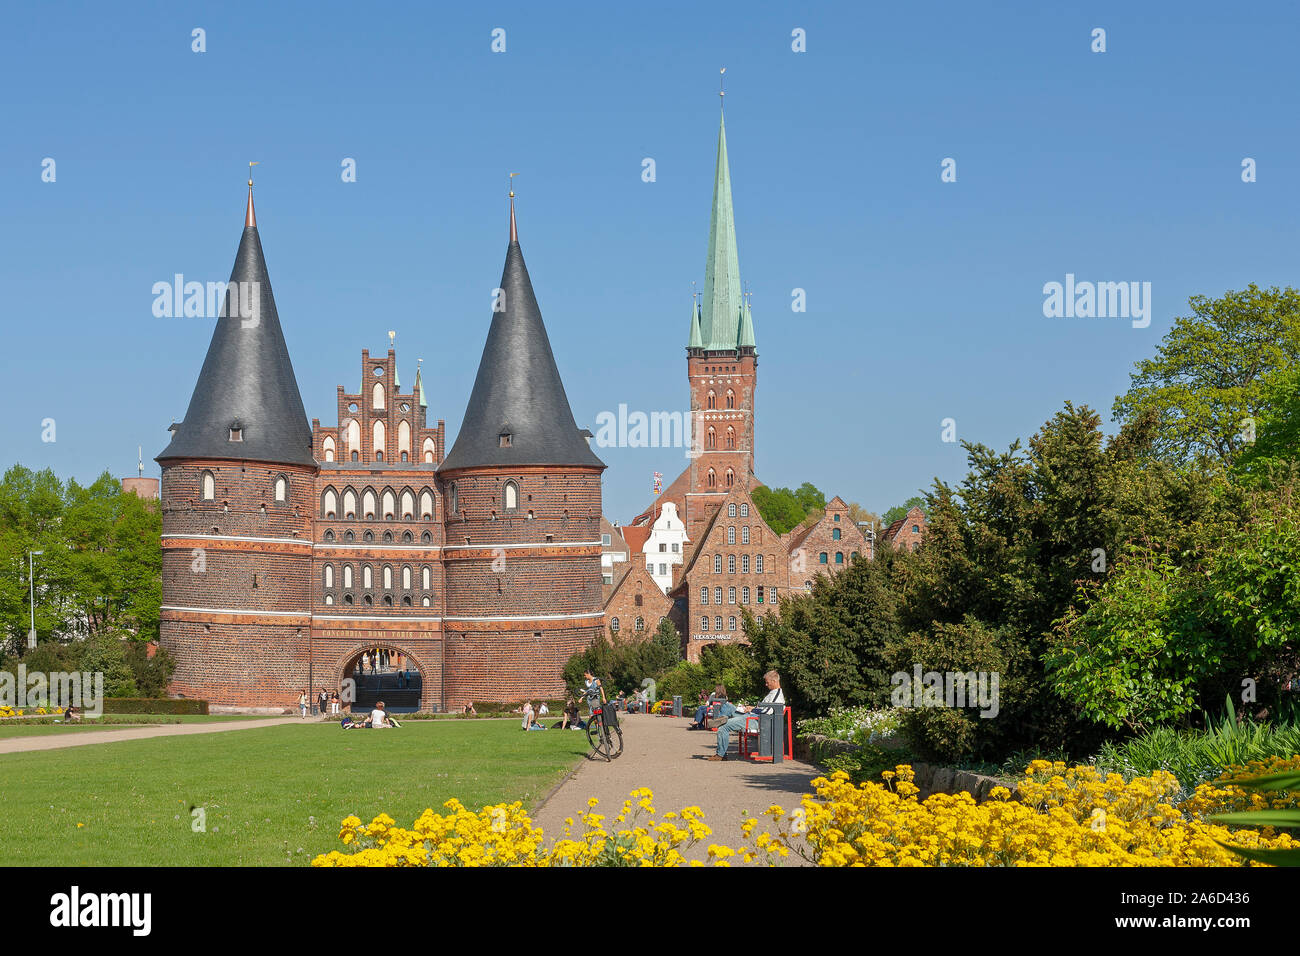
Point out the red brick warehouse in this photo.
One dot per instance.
(290, 548)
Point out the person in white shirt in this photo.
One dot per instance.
(737, 723)
(528, 714)
(542, 709)
(378, 718)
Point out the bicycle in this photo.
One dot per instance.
(605, 739)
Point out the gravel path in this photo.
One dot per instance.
(84, 738)
(660, 753)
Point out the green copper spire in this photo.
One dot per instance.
(722, 294)
(696, 341)
(745, 337)
(419, 387)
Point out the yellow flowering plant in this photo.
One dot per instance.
(503, 835)
(1059, 816)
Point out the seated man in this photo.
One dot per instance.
(719, 694)
(736, 723)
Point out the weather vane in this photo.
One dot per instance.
(512, 185)
(250, 173)
(721, 91)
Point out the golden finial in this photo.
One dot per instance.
(250, 172)
(392, 338)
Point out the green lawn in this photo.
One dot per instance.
(272, 795)
(25, 728)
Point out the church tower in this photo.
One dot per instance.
(237, 508)
(721, 355)
(722, 369)
(522, 516)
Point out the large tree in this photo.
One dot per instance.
(100, 571)
(1207, 383)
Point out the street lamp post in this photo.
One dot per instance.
(31, 584)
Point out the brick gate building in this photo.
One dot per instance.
(290, 549)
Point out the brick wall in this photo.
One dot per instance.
(718, 542)
(623, 604)
(805, 558)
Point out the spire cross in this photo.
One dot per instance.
(514, 232)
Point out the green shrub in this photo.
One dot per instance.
(1197, 756)
(686, 679)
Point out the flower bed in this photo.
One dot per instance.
(855, 725)
(28, 712)
(1059, 816)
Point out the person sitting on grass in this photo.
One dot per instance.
(379, 719)
(736, 724)
(570, 719)
(530, 718)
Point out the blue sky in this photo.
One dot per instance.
(924, 298)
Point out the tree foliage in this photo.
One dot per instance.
(784, 509)
(100, 572)
(1210, 373)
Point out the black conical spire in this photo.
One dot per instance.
(247, 383)
(518, 413)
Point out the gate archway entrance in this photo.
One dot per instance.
(384, 672)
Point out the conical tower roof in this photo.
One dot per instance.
(695, 341)
(247, 380)
(518, 389)
(745, 337)
(722, 294)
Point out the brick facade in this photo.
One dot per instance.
(825, 547)
(738, 563)
(906, 532)
(486, 601)
(636, 595)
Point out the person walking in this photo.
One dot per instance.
(302, 704)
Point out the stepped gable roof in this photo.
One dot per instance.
(247, 381)
(518, 389)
